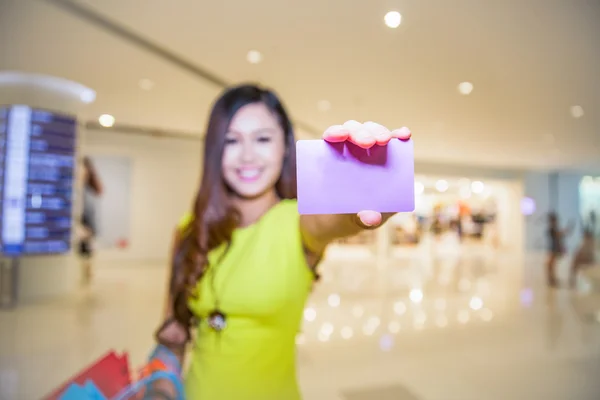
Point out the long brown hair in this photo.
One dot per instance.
(215, 218)
(92, 181)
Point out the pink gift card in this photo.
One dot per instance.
(342, 178)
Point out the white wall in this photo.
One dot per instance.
(113, 208)
(164, 179)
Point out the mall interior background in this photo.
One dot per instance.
(523, 141)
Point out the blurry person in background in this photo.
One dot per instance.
(586, 254)
(556, 247)
(246, 260)
(92, 189)
(436, 223)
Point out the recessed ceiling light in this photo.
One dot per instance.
(577, 111)
(441, 185)
(254, 57)
(419, 188)
(323, 105)
(146, 84)
(106, 120)
(465, 88)
(477, 187)
(393, 19)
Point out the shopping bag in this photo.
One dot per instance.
(160, 378)
(110, 375)
(89, 391)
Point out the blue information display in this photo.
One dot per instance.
(37, 161)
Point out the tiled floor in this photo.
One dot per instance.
(438, 322)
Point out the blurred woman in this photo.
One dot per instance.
(556, 247)
(92, 189)
(246, 259)
(586, 254)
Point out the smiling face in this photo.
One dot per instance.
(254, 151)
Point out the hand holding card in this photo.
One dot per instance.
(358, 168)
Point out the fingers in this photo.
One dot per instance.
(336, 133)
(381, 134)
(402, 133)
(369, 218)
(359, 134)
(364, 135)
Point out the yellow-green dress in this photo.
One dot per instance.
(261, 284)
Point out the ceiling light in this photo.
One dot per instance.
(577, 111)
(419, 188)
(393, 19)
(323, 105)
(146, 84)
(465, 88)
(477, 187)
(106, 120)
(254, 57)
(441, 185)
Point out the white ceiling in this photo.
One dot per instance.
(529, 61)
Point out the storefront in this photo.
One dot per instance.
(465, 210)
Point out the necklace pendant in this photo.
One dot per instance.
(217, 320)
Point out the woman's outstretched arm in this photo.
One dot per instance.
(320, 230)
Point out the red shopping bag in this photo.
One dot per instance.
(110, 374)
